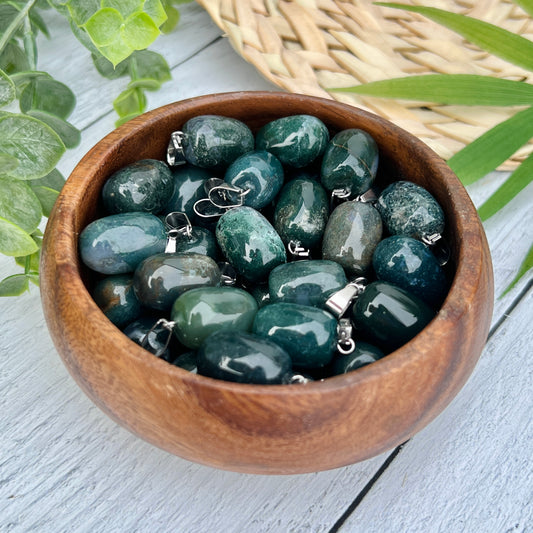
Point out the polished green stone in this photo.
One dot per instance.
(249, 243)
(200, 241)
(363, 355)
(188, 189)
(213, 141)
(257, 173)
(352, 234)
(307, 334)
(389, 316)
(301, 212)
(308, 282)
(144, 185)
(260, 293)
(160, 279)
(187, 361)
(410, 264)
(350, 162)
(115, 296)
(116, 244)
(408, 209)
(295, 140)
(152, 338)
(243, 358)
(200, 312)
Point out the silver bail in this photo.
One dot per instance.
(297, 250)
(345, 342)
(177, 224)
(175, 156)
(339, 301)
(439, 247)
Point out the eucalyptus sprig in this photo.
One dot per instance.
(495, 146)
(33, 139)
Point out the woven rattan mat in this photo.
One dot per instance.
(307, 46)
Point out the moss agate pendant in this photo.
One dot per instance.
(363, 354)
(295, 140)
(243, 358)
(250, 243)
(307, 334)
(200, 312)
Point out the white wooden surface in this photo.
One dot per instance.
(65, 466)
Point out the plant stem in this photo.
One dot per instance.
(15, 23)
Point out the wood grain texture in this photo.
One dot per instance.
(254, 428)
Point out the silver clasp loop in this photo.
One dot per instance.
(297, 250)
(228, 196)
(438, 246)
(339, 301)
(345, 342)
(168, 325)
(175, 154)
(176, 224)
(368, 197)
(228, 274)
(338, 196)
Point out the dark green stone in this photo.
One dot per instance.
(160, 279)
(295, 140)
(152, 339)
(116, 244)
(201, 241)
(350, 162)
(200, 312)
(352, 234)
(409, 264)
(249, 243)
(258, 172)
(115, 296)
(188, 189)
(260, 293)
(144, 185)
(363, 355)
(307, 334)
(213, 141)
(309, 282)
(301, 212)
(389, 316)
(243, 358)
(187, 361)
(408, 209)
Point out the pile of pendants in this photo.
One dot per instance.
(296, 265)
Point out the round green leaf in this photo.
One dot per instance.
(36, 146)
(47, 95)
(124, 7)
(147, 84)
(139, 31)
(14, 241)
(30, 262)
(47, 197)
(19, 205)
(14, 285)
(104, 26)
(7, 89)
(13, 59)
(156, 11)
(53, 180)
(8, 163)
(70, 135)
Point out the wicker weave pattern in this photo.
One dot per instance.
(306, 46)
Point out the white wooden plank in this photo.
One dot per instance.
(470, 469)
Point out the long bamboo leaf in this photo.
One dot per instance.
(515, 183)
(526, 5)
(459, 89)
(497, 41)
(527, 264)
(495, 146)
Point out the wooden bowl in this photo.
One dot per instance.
(269, 429)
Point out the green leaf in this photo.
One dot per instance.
(37, 147)
(491, 38)
(47, 197)
(82, 10)
(155, 10)
(47, 190)
(54, 180)
(104, 26)
(106, 68)
(14, 241)
(124, 7)
(130, 101)
(14, 285)
(30, 263)
(7, 89)
(139, 31)
(148, 64)
(47, 95)
(19, 205)
(24, 78)
(117, 51)
(147, 84)
(173, 17)
(515, 183)
(70, 135)
(460, 89)
(126, 118)
(526, 5)
(8, 163)
(492, 148)
(38, 22)
(13, 59)
(526, 266)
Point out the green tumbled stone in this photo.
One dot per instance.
(152, 338)
(408, 209)
(188, 189)
(116, 244)
(243, 358)
(307, 334)
(389, 316)
(260, 293)
(144, 185)
(295, 140)
(352, 234)
(201, 241)
(350, 162)
(309, 282)
(213, 141)
(160, 279)
(250, 243)
(409, 264)
(200, 312)
(363, 355)
(187, 361)
(258, 172)
(301, 212)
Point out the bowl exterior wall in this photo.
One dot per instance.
(252, 428)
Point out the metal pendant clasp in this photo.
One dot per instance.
(439, 247)
(177, 225)
(298, 251)
(339, 301)
(175, 155)
(345, 342)
(221, 196)
(166, 324)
